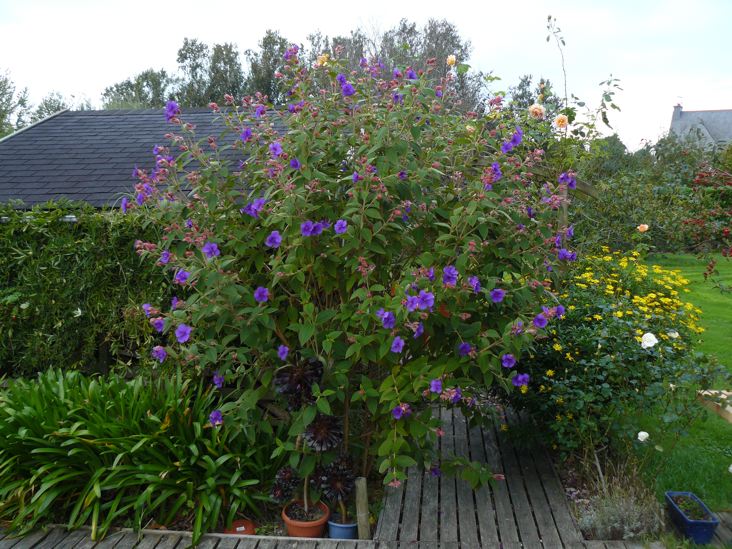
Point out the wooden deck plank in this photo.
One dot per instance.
(73, 538)
(540, 506)
(111, 540)
(502, 502)
(485, 510)
(54, 538)
(409, 529)
(31, 540)
(171, 541)
(388, 526)
(227, 543)
(429, 525)
(149, 541)
(448, 529)
(246, 543)
(519, 498)
(266, 544)
(568, 529)
(467, 524)
(8, 541)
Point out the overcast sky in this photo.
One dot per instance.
(664, 52)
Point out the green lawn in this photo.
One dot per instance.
(699, 462)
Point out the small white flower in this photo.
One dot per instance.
(673, 334)
(730, 468)
(648, 340)
(643, 436)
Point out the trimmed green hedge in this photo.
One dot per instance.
(70, 291)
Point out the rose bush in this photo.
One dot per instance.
(347, 261)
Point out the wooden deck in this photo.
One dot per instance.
(526, 511)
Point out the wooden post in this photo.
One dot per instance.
(362, 509)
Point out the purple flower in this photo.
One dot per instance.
(496, 171)
(426, 299)
(125, 205)
(171, 110)
(540, 320)
(520, 379)
(570, 232)
(464, 348)
(261, 294)
(347, 89)
(164, 257)
(210, 250)
(449, 276)
(295, 164)
(282, 352)
(403, 410)
(306, 228)
(246, 135)
(397, 98)
(341, 226)
(273, 240)
(457, 395)
(431, 274)
(402, 175)
(569, 179)
(275, 148)
(174, 302)
(412, 303)
(260, 111)
(189, 223)
(140, 199)
(318, 228)
(341, 79)
(158, 323)
(216, 418)
(181, 276)
(397, 345)
(397, 73)
(419, 331)
(508, 360)
(218, 380)
(356, 177)
(474, 283)
(566, 255)
(518, 328)
(560, 310)
(183, 333)
(530, 212)
(411, 75)
(159, 354)
(436, 386)
(497, 295)
(253, 208)
(146, 307)
(388, 319)
(435, 471)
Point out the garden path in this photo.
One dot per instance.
(526, 511)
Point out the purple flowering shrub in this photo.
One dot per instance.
(381, 253)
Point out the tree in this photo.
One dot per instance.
(225, 74)
(148, 90)
(193, 63)
(51, 104)
(14, 107)
(263, 64)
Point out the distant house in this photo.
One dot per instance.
(711, 128)
(89, 155)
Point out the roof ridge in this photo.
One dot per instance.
(37, 123)
(708, 110)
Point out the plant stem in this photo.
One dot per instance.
(343, 511)
(305, 495)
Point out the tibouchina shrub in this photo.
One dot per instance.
(381, 253)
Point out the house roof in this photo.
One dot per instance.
(714, 127)
(88, 155)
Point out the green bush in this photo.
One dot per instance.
(624, 347)
(105, 451)
(70, 292)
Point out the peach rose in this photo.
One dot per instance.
(537, 111)
(642, 228)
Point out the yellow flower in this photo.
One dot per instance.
(560, 401)
(561, 121)
(451, 60)
(524, 389)
(618, 314)
(557, 347)
(504, 427)
(537, 111)
(322, 60)
(550, 373)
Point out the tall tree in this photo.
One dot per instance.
(51, 104)
(148, 90)
(225, 74)
(193, 63)
(263, 64)
(14, 106)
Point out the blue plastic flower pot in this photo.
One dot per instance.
(700, 531)
(336, 530)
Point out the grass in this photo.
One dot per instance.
(699, 462)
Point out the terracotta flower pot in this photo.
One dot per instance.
(242, 527)
(306, 529)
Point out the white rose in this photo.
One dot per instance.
(648, 340)
(643, 436)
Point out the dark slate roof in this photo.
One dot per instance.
(88, 155)
(710, 127)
